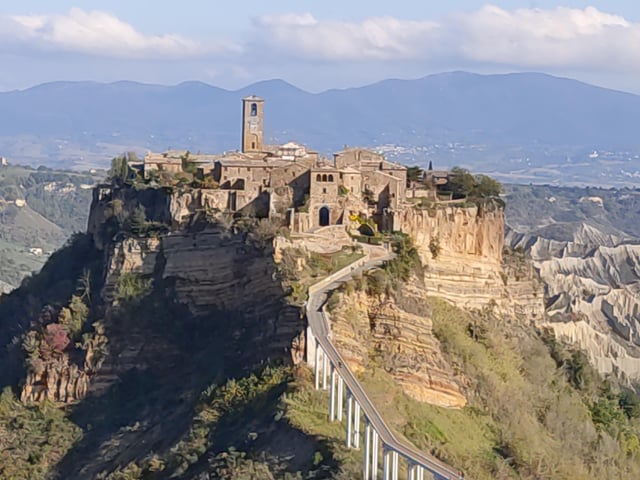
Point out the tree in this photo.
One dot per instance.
(414, 174)
(56, 337)
(119, 168)
(84, 286)
(487, 186)
(187, 165)
(138, 220)
(464, 184)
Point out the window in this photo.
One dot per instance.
(318, 178)
(254, 109)
(331, 178)
(253, 145)
(324, 190)
(324, 177)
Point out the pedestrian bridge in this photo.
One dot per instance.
(365, 428)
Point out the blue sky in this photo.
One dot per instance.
(315, 44)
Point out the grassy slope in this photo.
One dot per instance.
(524, 418)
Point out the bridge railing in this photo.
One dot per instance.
(322, 340)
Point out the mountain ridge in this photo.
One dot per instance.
(456, 74)
(507, 123)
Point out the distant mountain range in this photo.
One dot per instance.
(84, 123)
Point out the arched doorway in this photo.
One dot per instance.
(324, 217)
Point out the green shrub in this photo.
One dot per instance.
(32, 438)
(132, 287)
(434, 247)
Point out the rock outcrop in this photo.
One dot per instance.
(59, 368)
(458, 231)
(396, 335)
(462, 250)
(211, 270)
(58, 380)
(592, 292)
(201, 262)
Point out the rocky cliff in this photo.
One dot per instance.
(592, 287)
(396, 334)
(462, 249)
(193, 269)
(464, 262)
(186, 298)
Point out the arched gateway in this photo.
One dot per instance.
(324, 217)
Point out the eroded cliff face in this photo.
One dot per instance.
(462, 251)
(459, 231)
(592, 292)
(189, 277)
(396, 333)
(214, 270)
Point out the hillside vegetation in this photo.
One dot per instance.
(39, 209)
(179, 395)
(536, 409)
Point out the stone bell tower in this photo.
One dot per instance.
(252, 124)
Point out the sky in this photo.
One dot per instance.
(314, 44)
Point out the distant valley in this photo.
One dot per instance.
(39, 210)
(520, 128)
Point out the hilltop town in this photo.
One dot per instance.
(295, 183)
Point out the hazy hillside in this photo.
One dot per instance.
(558, 212)
(509, 124)
(39, 210)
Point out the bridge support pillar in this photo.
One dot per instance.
(356, 425)
(349, 418)
(325, 373)
(374, 454)
(332, 396)
(317, 366)
(366, 453)
(394, 466)
(386, 464)
(340, 397)
(412, 471)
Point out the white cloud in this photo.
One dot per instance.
(527, 38)
(100, 34)
(562, 37)
(380, 38)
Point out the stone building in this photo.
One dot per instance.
(294, 182)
